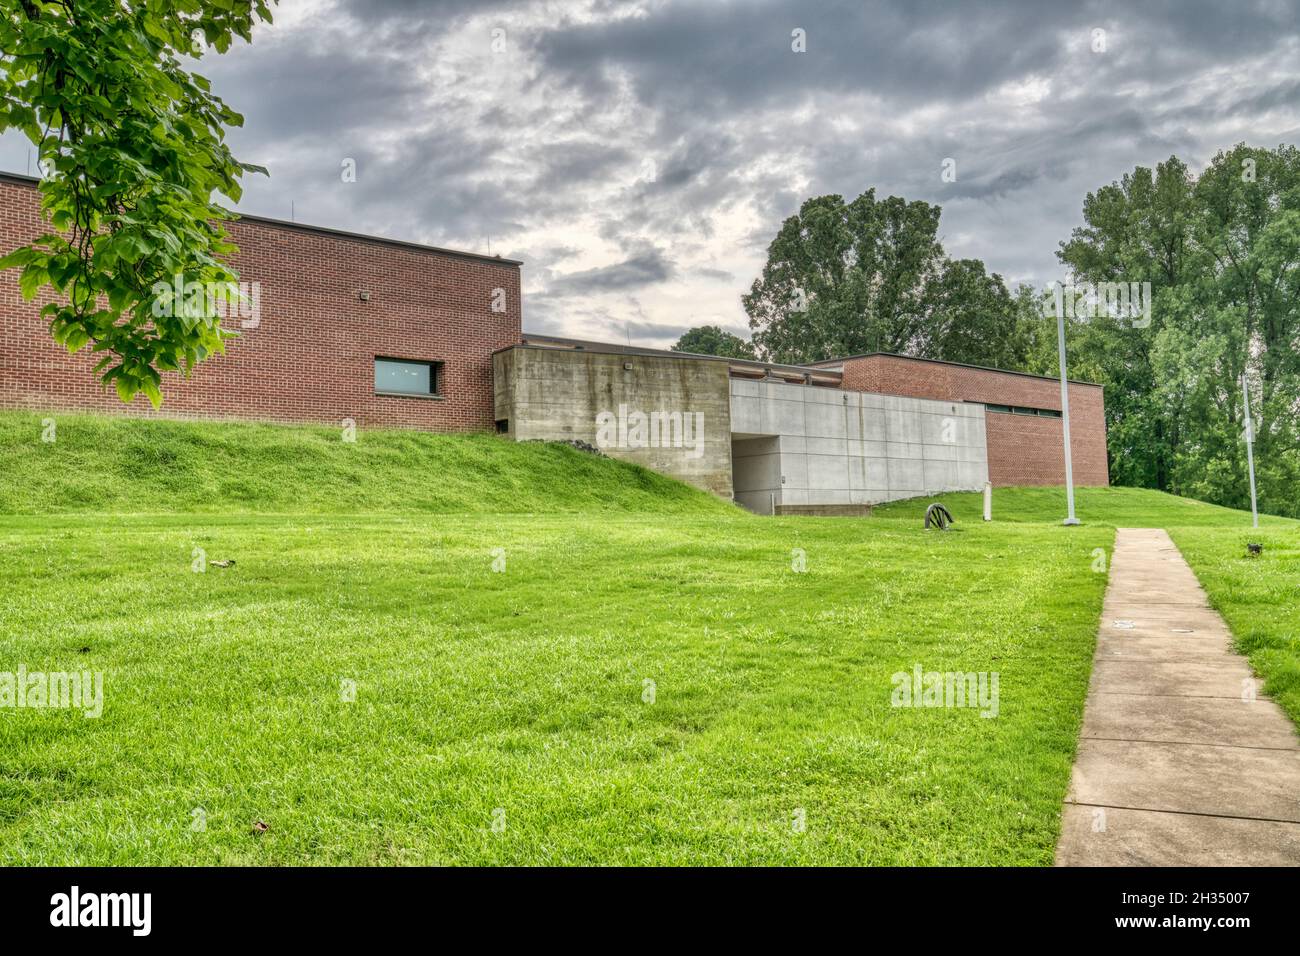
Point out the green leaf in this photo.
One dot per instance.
(126, 387)
(31, 281)
(19, 257)
(75, 339)
(151, 392)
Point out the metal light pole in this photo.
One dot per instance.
(1250, 449)
(1065, 407)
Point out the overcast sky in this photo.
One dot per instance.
(640, 156)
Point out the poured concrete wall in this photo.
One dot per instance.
(811, 446)
(763, 442)
(561, 395)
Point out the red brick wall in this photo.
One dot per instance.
(311, 357)
(1023, 450)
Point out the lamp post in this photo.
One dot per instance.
(1250, 449)
(1065, 407)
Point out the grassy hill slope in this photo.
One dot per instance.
(134, 466)
(381, 686)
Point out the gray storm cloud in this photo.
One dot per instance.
(639, 157)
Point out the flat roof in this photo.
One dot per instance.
(611, 348)
(758, 364)
(979, 368)
(23, 180)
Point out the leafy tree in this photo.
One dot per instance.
(132, 147)
(1222, 252)
(871, 276)
(1036, 335)
(711, 340)
(1136, 230)
(971, 317)
(844, 278)
(1248, 298)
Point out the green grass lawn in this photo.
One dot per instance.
(1259, 597)
(116, 466)
(505, 716)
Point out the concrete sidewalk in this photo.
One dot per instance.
(1180, 763)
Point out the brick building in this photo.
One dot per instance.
(331, 304)
(395, 334)
(1023, 413)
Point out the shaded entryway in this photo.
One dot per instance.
(756, 472)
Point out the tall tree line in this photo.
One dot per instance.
(871, 276)
(1220, 250)
(1222, 253)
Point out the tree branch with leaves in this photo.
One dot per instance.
(132, 150)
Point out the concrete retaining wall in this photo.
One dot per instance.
(785, 444)
(640, 408)
(800, 445)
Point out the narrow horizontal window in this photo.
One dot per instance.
(1022, 410)
(401, 377)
